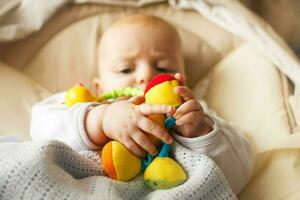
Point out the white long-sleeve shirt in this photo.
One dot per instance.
(51, 119)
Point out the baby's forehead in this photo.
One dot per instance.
(134, 32)
(119, 29)
(129, 38)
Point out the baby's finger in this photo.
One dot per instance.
(137, 100)
(189, 118)
(180, 78)
(151, 127)
(188, 106)
(149, 109)
(143, 141)
(133, 147)
(184, 92)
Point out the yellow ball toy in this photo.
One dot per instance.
(119, 163)
(77, 94)
(164, 173)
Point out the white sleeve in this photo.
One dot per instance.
(228, 147)
(53, 120)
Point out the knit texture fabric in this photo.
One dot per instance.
(52, 170)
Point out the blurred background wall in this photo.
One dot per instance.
(284, 17)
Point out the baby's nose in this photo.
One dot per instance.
(144, 78)
(145, 74)
(142, 82)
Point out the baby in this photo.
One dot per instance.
(131, 52)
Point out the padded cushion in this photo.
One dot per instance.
(18, 94)
(68, 58)
(245, 89)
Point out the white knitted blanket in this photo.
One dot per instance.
(52, 170)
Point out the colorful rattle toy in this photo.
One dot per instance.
(80, 94)
(160, 171)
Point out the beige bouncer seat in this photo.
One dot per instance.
(235, 62)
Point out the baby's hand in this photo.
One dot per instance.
(127, 123)
(190, 115)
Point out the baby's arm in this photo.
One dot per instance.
(227, 147)
(53, 120)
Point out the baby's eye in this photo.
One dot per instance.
(164, 70)
(164, 66)
(126, 71)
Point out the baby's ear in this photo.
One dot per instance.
(96, 86)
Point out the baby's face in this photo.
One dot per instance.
(131, 55)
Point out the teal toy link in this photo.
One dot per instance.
(164, 152)
(170, 122)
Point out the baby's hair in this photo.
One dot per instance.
(143, 20)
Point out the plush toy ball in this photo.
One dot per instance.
(119, 163)
(160, 91)
(78, 94)
(164, 173)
